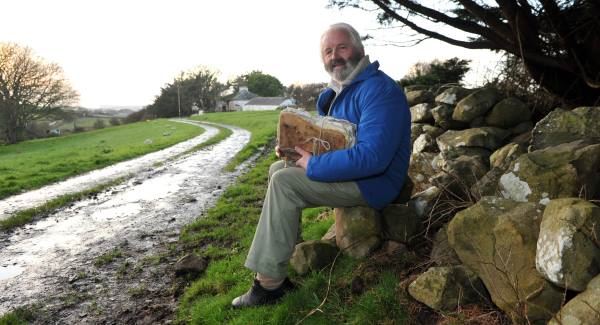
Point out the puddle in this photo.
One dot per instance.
(140, 214)
(9, 271)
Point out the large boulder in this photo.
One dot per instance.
(414, 97)
(416, 129)
(446, 287)
(400, 223)
(485, 137)
(452, 95)
(584, 309)
(562, 126)
(442, 115)
(503, 157)
(421, 169)
(500, 161)
(475, 105)
(568, 251)
(564, 170)
(496, 238)
(312, 255)
(421, 113)
(425, 143)
(357, 230)
(454, 152)
(508, 113)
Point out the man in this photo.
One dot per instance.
(372, 172)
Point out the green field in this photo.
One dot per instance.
(31, 164)
(225, 232)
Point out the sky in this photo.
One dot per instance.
(121, 52)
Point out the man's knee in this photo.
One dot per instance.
(287, 177)
(278, 165)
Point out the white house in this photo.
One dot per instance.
(268, 103)
(240, 99)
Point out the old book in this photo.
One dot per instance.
(316, 134)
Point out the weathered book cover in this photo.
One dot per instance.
(316, 134)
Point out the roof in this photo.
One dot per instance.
(268, 101)
(244, 94)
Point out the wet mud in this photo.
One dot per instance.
(110, 258)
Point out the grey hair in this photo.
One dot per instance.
(354, 36)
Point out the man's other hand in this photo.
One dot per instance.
(305, 157)
(278, 152)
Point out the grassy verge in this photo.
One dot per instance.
(32, 164)
(17, 317)
(224, 235)
(262, 125)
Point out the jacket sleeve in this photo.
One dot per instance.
(383, 114)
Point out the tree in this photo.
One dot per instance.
(436, 72)
(558, 40)
(29, 89)
(199, 87)
(306, 95)
(259, 83)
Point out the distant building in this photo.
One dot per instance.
(53, 132)
(268, 103)
(240, 99)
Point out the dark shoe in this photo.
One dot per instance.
(257, 295)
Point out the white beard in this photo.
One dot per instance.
(341, 74)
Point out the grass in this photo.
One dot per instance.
(224, 235)
(262, 125)
(32, 164)
(18, 316)
(108, 257)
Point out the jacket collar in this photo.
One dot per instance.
(363, 70)
(325, 99)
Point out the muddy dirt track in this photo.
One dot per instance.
(54, 264)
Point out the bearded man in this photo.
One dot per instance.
(372, 172)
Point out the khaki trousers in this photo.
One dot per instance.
(278, 229)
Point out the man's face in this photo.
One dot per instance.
(338, 54)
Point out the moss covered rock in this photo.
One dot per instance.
(485, 137)
(475, 105)
(496, 238)
(446, 287)
(584, 309)
(564, 170)
(508, 113)
(562, 126)
(357, 230)
(568, 254)
(313, 255)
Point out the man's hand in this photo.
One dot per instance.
(305, 157)
(278, 152)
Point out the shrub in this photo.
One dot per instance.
(115, 121)
(436, 73)
(99, 124)
(514, 80)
